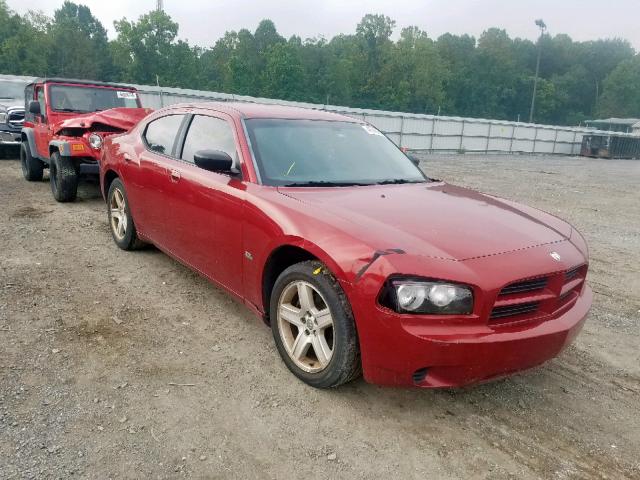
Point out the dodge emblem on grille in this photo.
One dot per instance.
(556, 256)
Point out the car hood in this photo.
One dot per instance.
(7, 103)
(121, 118)
(435, 219)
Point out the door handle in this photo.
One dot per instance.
(175, 175)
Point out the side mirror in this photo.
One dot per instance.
(34, 107)
(213, 160)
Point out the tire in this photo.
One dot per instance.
(63, 175)
(32, 168)
(118, 208)
(299, 330)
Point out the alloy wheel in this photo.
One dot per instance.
(117, 210)
(305, 325)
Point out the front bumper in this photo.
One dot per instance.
(8, 137)
(452, 351)
(431, 357)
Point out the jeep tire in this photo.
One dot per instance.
(64, 178)
(31, 167)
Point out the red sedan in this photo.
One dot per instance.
(357, 260)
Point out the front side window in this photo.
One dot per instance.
(160, 134)
(208, 133)
(43, 106)
(332, 153)
(65, 98)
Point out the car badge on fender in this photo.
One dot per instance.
(556, 256)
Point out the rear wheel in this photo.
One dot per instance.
(313, 326)
(123, 230)
(63, 175)
(32, 168)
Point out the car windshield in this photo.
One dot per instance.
(12, 90)
(326, 153)
(65, 98)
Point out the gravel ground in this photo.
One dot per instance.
(128, 365)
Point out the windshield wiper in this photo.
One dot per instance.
(71, 110)
(322, 183)
(397, 181)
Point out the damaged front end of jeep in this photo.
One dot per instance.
(82, 137)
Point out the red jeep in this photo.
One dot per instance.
(65, 125)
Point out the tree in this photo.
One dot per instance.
(82, 44)
(283, 76)
(24, 43)
(458, 56)
(495, 91)
(244, 66)
(621, 95)
(413, 79)
(374, 37)
(147, 50)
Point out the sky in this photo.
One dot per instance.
(202, 22)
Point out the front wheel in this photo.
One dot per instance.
(313, 326)
(63, 175)
(123, 230)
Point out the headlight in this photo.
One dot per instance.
(95, 141)
(3, 117)
(429, 297)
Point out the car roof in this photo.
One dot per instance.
(248, 110)
(76, 81)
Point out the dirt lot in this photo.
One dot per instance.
(127, 365)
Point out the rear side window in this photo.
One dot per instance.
(208, 133)
(160, 134)
(28, 97)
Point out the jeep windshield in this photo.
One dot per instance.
(82, 99)
(314, 153)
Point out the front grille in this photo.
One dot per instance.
(513, 310)
(525, 286)
(571, 274)
(15, 118)
(538, 298)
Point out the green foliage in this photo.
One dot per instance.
(283, 75)
(455, 74)
(621, 97)
(74, 25)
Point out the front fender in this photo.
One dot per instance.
(29, 135)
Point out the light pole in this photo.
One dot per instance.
(543, 27)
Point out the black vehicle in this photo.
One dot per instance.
(11, 114)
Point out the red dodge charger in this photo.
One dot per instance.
(357, 260)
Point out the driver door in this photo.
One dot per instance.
(40, 128)
(209, 206)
